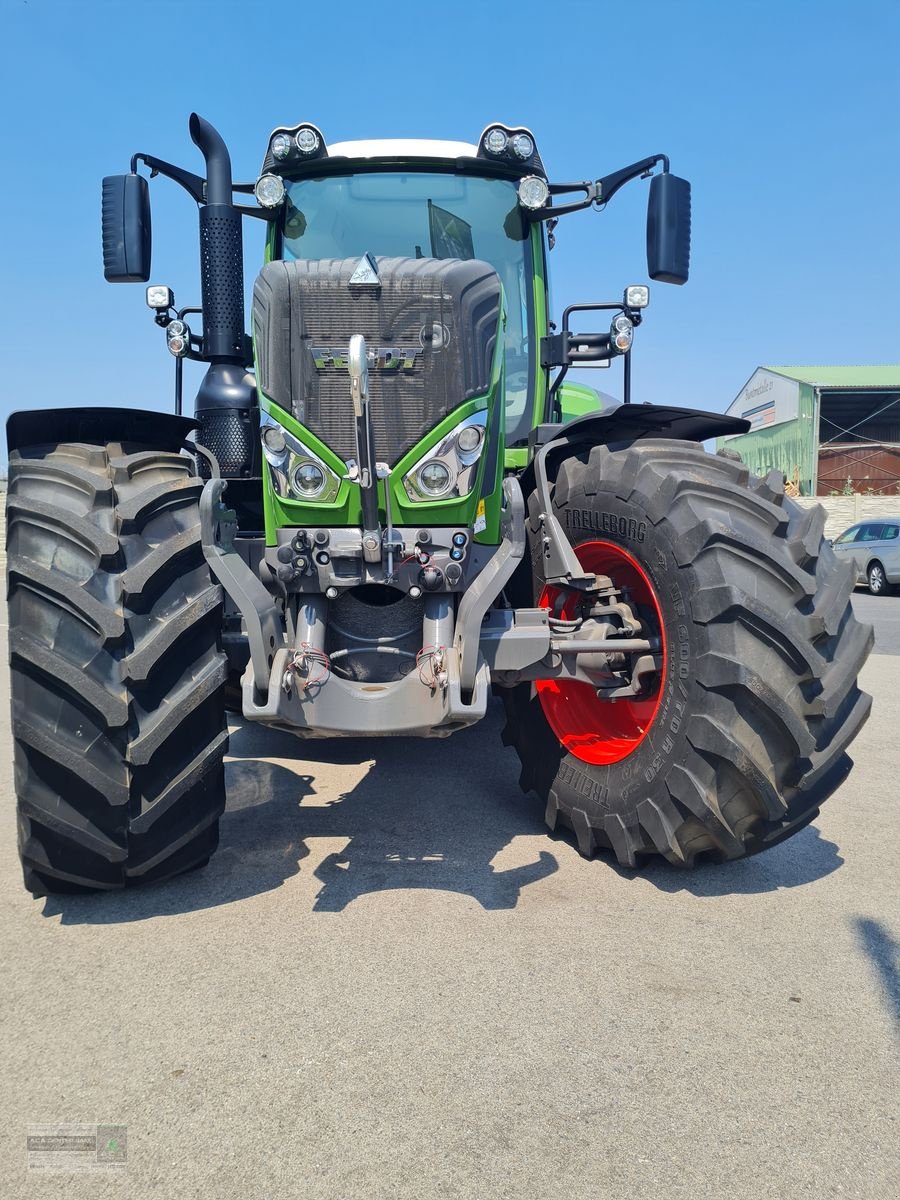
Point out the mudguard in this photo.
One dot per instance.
(40, 427)
(620, 426)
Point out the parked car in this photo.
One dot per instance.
(875, 549)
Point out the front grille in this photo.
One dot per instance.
(302, 309)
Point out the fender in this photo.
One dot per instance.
(621, 427)
(42, 427)
(629, 422)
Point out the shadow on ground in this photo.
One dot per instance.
(883, 952)
(430, 813)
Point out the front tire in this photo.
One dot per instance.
(757, 700)
(117, 672)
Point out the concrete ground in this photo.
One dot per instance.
(391, 983)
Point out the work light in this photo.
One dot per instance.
(269, 191)
(495, 141)
(637, 295)
(533, 192)
(522, 145)
(281, 145)
(307, 140)
(160, 297)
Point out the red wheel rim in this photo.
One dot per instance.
(598, 731)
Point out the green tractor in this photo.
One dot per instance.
(389, 502)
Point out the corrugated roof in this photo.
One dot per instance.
(887, 376)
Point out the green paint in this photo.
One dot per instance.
(576, 399)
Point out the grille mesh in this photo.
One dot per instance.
(303, 308)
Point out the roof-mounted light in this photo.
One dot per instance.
(496, 140)
(292, 145)
(307, 140)
(522, 145)
(511, 145)
(280, 146)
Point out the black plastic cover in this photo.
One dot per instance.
(431, 324)
(125, 216)
(49, 426)
(669, 229)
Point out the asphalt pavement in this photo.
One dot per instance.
(390, 982)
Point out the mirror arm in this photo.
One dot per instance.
(610, 184)
(193, 184)
(599, 193)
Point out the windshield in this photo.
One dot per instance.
(425, 215)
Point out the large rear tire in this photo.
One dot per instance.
(745, 731)
(117, 672)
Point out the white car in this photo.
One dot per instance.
(875, 548)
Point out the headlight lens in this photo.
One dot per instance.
(281, 145)
(307, 140)
(273, 438)
(450, 468)
(534, 192)
(269, 191)
(434, 478)
(495, 141)
(522, 146)
(308, 480)
(469, 438)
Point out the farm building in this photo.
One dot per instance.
(828, 429)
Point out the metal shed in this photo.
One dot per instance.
(829, 430)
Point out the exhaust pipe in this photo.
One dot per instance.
(227, 394)
(221, 251)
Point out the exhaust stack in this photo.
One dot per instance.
(227, 394)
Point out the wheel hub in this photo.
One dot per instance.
(605, 721)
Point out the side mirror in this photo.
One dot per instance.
(126, 229)
(669, 229)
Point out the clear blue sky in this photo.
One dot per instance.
(782, 113)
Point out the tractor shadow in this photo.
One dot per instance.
(422, 813)
(802, 859)
(429, 814)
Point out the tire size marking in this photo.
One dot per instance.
(604, 522)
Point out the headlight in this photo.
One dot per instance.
(449, 469)
(273, 439)
(469, 438)
(307, 480)
(296, 472)
(269, 191)
(434, 478)
(522, 145)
